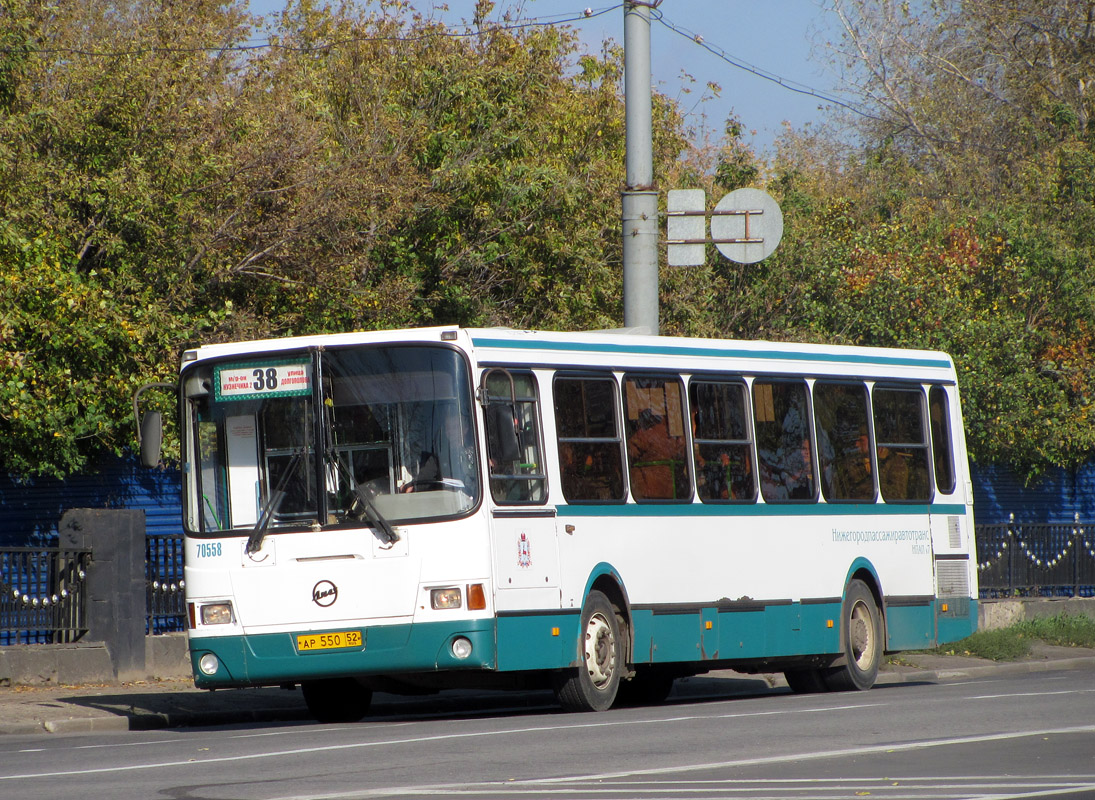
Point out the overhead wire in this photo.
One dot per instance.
(760, 72)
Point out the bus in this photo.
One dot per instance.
(602, 514)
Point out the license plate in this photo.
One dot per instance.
(328, 641)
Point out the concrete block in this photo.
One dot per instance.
(167, 656)
(58, 664)
(995, 614)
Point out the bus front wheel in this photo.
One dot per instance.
(336, 699)
(861, 626)
(806, 681)
(593, 686)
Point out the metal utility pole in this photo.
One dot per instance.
(640, 198)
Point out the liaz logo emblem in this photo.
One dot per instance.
(324, 594)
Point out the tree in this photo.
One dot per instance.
(106, 149)
(960, 219)
(162, 186)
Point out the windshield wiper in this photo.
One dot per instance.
(273, 503)
(363, 498)
(364, 507)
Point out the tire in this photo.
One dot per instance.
(336, 699)
(861, 634)
(806, 681)
(593, 686)
(650, 686)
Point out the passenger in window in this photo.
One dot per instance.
(893, 473)
(790, 475)
(798, 475)
(855, 470)
(771, 486)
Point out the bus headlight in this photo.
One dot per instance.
(461, 647)
(209, 664)
(216, 614)
(445, 598)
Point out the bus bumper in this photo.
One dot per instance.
(271, 659)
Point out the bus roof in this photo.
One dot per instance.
(626, 350)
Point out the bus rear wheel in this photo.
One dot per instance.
(861, 630)
(593, 686)
(336, 699)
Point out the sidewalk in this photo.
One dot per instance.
(148, 705)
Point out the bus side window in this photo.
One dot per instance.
(901, 444)
(841, 416)
(657, 451)
(785, 459)
(590, 455)
(942, 447)
(513, 439)
(722, 448)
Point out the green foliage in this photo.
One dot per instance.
(1063, 630)
(737, 167)
(160, 189)
(15, 49)
(1016, 641)
(74, 346)
(1005, 644)
(369, 171)
(962, 218)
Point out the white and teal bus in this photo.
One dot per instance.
(424, 509)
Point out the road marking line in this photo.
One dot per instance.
(1028, 694)
(437, 738)
(891, 747)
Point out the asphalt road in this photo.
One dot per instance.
(1007, 736)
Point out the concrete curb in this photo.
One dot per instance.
(158, 721)
(87, 725)
(914, 675)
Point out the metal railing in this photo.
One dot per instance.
(1036, 560)
(164, 583)
(42, 595)
(43, 589)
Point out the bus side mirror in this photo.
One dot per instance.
(151, 438)
(149, 427)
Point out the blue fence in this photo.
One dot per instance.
(1036, 560)
(42, 589)
(42, 597)
(164, 583)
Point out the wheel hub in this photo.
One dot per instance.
(600, 650)
(861, 636)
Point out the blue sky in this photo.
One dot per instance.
(783, 38)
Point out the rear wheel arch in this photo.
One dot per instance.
(862, 639)
(606, 580)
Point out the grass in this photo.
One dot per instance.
(1015, 642)
(1064, 630)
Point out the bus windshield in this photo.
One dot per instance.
(329, 438)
